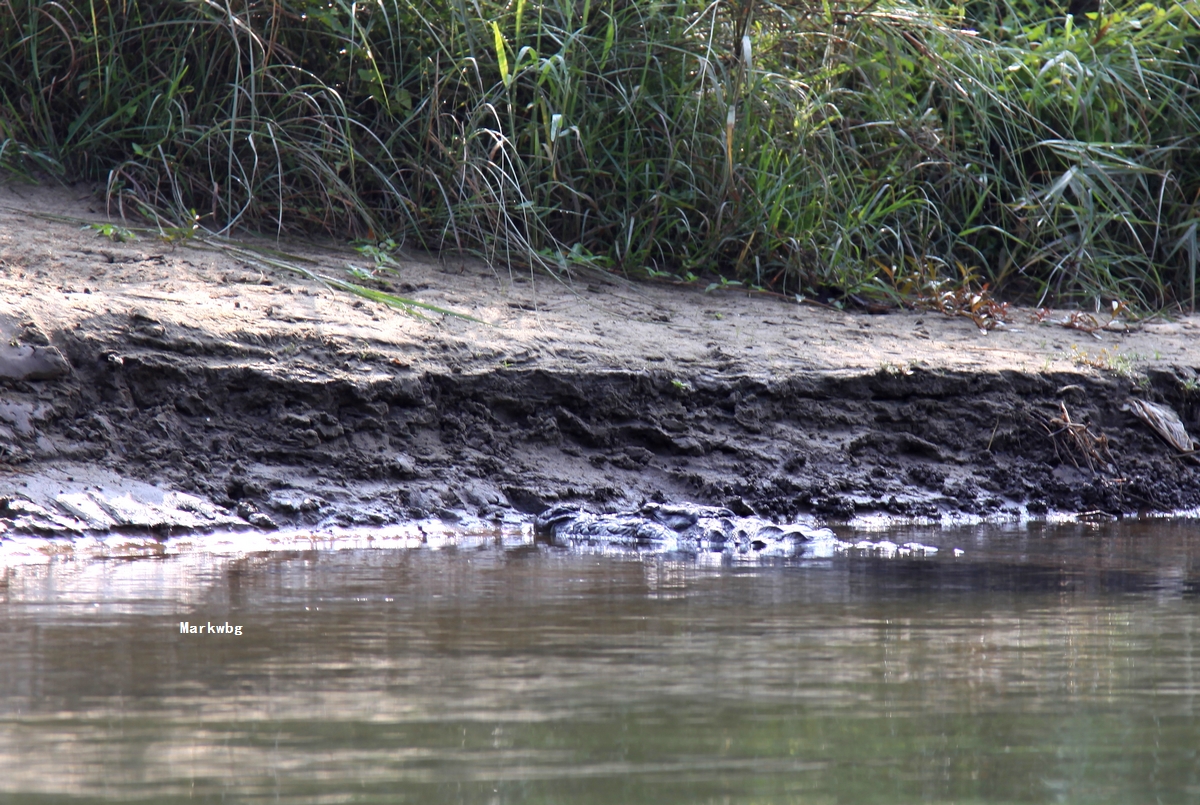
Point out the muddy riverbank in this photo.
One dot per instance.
(146, 385)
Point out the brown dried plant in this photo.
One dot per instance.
(1076, 440)
(924, 285)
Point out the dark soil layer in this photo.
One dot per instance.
(162, 406)
(269, 414)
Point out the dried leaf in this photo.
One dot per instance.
(1165, 422)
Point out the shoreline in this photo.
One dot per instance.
(259, 398)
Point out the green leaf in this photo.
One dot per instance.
(501, 54)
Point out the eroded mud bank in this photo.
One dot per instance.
(137, 370)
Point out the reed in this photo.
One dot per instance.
(797, 146)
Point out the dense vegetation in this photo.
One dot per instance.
(847, 146)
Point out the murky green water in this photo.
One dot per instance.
(1050, 664)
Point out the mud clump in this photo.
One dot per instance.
(682, 528)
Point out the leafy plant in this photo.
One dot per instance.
(1109, 360)
(381, 253)
(115, 233)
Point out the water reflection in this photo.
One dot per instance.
(1051, 664)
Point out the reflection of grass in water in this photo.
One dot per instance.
(560, 678)
(791, 146)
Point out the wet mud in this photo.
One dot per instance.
(279, 446)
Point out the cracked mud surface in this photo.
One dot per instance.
(142, 369)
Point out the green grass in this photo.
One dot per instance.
(800, 147)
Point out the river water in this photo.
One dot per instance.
(1041, 663)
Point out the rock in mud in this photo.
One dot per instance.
(134, 514)
(83, 506)
(684, 528)
(86, 511)
(482, 495)
(26, 353)
(251, 514)
(294, 503)
(22, 362)
(24, 516)
(215, 516)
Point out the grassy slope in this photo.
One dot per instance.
(860, 148)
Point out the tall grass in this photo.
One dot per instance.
(798, 145)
